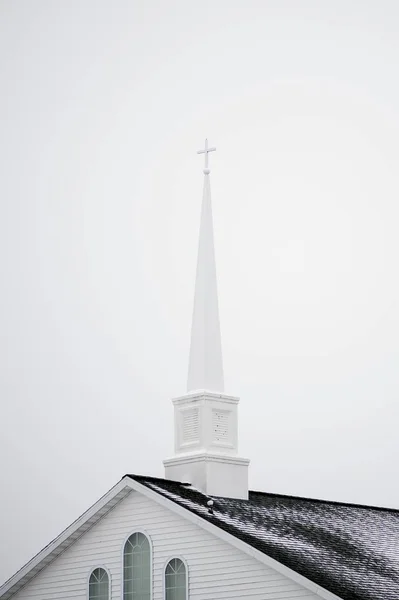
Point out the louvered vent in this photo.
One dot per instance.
(220, 425)
(190, 425)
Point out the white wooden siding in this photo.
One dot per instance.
(216, 570)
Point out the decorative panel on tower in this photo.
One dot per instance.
(190, 426)
(221, 427)
(188, 432)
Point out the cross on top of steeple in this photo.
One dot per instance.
(206, 151)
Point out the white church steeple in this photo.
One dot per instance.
(206, 436)
(205, 369)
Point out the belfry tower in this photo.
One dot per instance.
(206, 437)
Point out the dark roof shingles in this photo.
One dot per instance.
(350, 550)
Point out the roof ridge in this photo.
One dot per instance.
(155, 479)
(270, 494)
(323, 501)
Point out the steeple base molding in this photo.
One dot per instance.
(212, 474)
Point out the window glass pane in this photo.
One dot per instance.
(103, 588)
(92, 589)
(175, 580)
(137, 568)
(180, 593)
(99, 585)
(128, 559)
(128, 586)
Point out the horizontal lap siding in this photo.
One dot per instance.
(217, 571)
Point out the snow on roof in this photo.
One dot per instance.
(349, 550)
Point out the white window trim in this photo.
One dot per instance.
(144, 532)
(109, 581)
(164, 573)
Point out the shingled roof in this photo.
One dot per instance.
(349, 550)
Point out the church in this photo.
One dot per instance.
(200, 533)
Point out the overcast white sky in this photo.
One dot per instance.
(103, 106)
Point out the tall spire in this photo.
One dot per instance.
(205, 370)
(206, 421)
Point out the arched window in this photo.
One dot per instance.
(99, 585)
(175, 580)
(137, 568)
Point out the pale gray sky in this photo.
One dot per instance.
(103, 105)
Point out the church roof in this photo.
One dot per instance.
(350, 550)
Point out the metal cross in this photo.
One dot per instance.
(205, 151)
